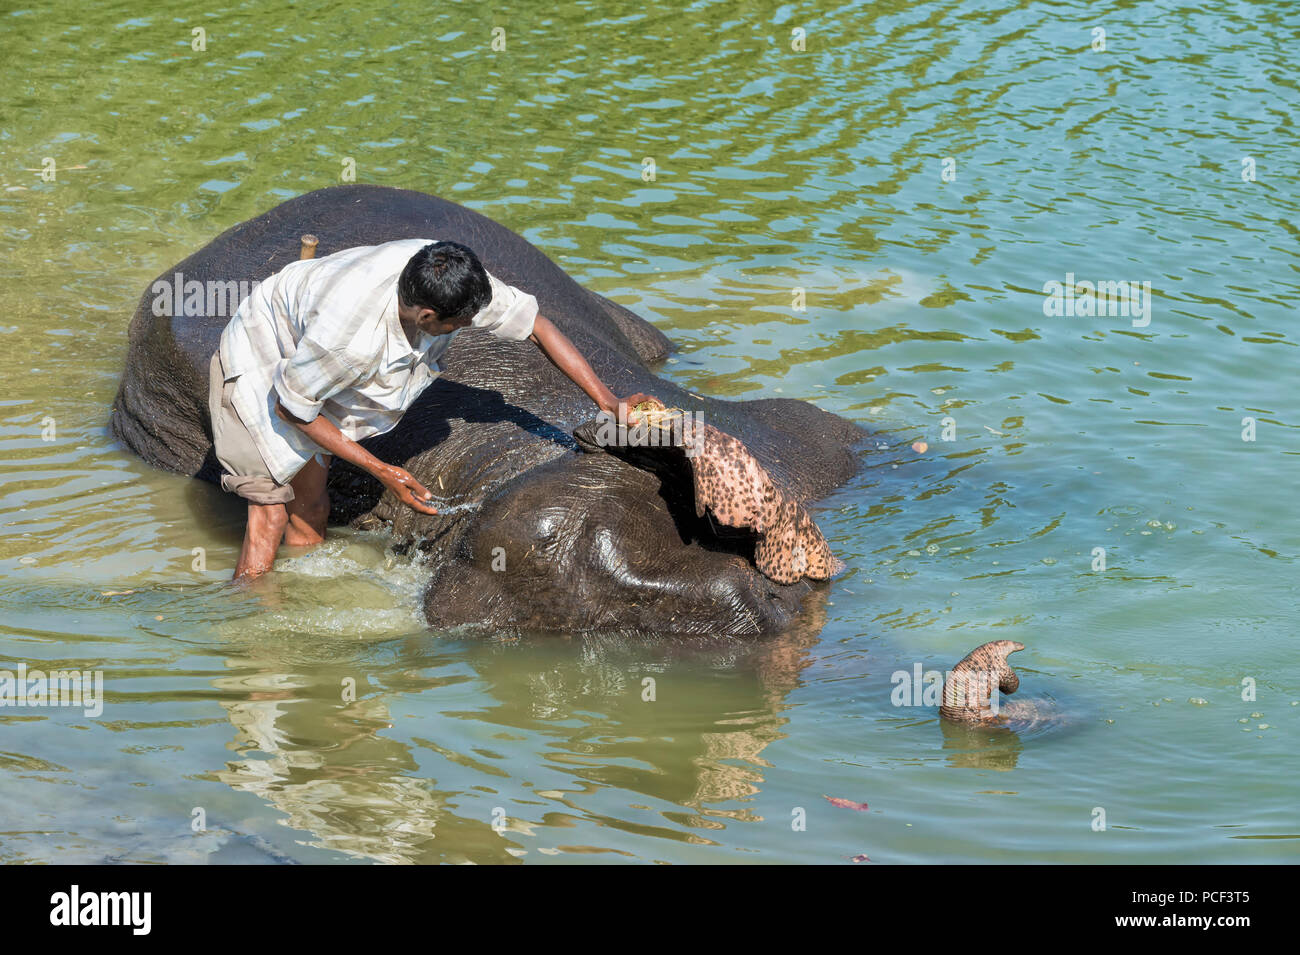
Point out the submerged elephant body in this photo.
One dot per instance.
(535, 532)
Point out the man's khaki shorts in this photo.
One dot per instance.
(246, 473)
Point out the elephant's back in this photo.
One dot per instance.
(341, 217)
(161, 407)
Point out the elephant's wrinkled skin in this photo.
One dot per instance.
(589, 540)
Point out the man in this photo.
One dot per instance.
(332, 350)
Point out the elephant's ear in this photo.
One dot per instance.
(730, 484)
(794, 547)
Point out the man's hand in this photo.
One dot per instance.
(621, 408)
(323, 431)
(405, 488)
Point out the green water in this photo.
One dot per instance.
(775, 169)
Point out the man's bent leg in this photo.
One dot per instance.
(246, 474)
(310, 508)
(266, 524)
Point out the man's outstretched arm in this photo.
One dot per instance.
(324, 432)
(564, 356)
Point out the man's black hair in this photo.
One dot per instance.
(448, 278)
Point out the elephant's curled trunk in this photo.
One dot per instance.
(968, 690)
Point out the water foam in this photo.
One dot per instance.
(352, 585)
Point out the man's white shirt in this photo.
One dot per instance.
(322, 336)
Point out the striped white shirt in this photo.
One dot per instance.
(322, 336)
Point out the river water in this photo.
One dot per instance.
(921, 171)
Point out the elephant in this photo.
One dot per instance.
(536, 530)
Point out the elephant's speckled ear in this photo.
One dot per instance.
(737, 490)
(731, 483)
(794, 547)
